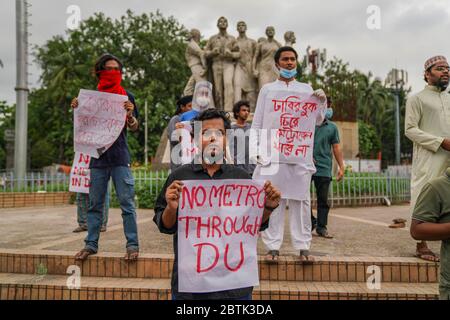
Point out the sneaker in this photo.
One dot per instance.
(80, 229)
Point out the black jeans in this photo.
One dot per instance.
(322, 185)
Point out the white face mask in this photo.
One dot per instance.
(202, 102)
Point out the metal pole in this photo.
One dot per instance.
(397, 128)
(146, 136)
(20, 147)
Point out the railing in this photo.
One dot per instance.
(356, 189)
(365, 189)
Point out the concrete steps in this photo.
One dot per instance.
(107, 276)
(53, 287)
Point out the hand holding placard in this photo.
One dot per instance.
(173, 194)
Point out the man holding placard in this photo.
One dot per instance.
(215, 211)
(100, 120)
(286, 114)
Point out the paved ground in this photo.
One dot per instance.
(357, 231)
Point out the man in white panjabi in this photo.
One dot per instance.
(290, 165)
(427, 125)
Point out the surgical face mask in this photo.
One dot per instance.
(329, 113)
(203, 101)
(288, 74)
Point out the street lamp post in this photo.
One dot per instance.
(20, 148)
(396, 79)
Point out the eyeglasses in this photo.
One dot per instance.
(217, 133)
(442, 69)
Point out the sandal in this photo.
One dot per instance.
(272, 256)
(427, 255)
(305, 257)
(325, 235)
(84, 254)
(131, 255)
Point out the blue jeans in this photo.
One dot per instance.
(124, 185)
(83, 207)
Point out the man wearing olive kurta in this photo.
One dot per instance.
(427, 124)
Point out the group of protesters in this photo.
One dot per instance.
(201, 149)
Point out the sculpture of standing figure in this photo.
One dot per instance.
(244, 80)
(263, 61)
(222, 50)
(195, 58)
(289, 38)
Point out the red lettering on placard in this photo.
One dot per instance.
(227, 194)
(252, 191)
(84, 158)
(216, 192)
(230, 221)
(199, 256)
(241, 261)
(241, 187)
(76, 182)
(186, 195)
(200, 225)
(196, 191)
(187, 218)
(215, 226)
(244, 222)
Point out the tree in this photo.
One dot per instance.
(369, 141)
(6, 122)
(151, 48)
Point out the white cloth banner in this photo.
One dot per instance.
(80, 175)
(98, 121)
(218, 228)
(293, 117)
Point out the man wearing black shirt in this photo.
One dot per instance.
(115, 163)
(211, 167)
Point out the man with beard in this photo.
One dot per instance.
(211, 165)
(427, 125)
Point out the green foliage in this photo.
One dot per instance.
(151, 48)
(369, 141)
(6, 122)
(358, 96)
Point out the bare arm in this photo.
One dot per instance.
(273, 197)
(429, 231)
(340, 160)
(169, 216)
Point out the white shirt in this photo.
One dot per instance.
(427, 123)
(289, 164)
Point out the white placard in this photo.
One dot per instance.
(98, 121)
(218, 228)
(293, 115)
(80, 175)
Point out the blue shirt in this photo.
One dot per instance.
(118, 154)
(189, 115)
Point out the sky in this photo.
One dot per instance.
(405, 35)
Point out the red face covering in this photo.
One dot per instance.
(110, 82)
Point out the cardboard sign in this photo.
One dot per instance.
(98, 121)
(80, 174)
(294, 118)
(218, 228)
